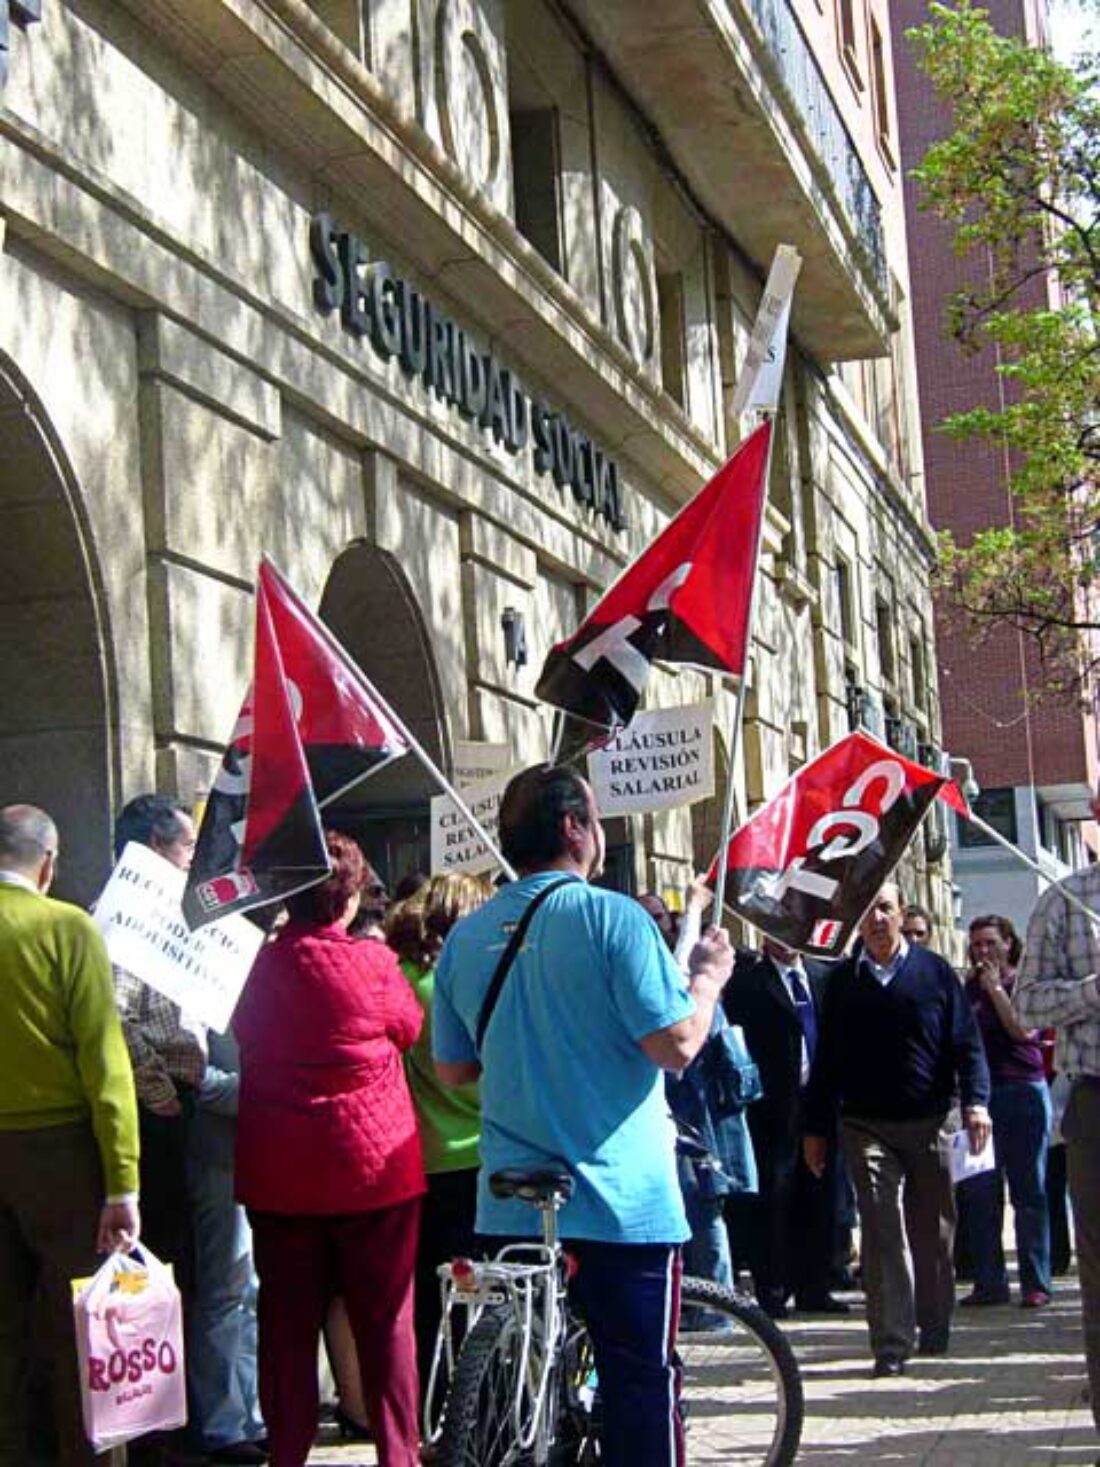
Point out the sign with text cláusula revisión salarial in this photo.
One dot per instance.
(663, 758)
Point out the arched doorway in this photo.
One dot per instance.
(369, 605)
(55, 728)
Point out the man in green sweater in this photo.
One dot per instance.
(68, 1125)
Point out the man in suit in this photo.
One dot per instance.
(787, 1229)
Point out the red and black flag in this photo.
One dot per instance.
(685, 599)
(808, 864)
(310, 727)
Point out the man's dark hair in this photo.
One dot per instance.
(149, 818)
(914, 909)
(535, 803)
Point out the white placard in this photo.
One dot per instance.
(475, 761)
(964, 1163)
(456, 845)
(663, 759)
(140, 917)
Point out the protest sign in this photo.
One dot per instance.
(664, 758)
(456, 845)
(476, 760)
(143, 925)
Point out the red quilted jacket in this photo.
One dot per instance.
(325, 1121)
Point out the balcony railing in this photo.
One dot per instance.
(804, 84)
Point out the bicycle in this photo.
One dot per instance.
(520, 1388)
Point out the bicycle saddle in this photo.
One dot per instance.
(541, 1184)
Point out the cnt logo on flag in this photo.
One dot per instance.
(826, 933)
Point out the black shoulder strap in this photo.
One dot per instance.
(496, 983)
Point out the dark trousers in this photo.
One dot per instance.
(1061, 1250)
(629, 1296)
(51, 1191)
(303, 1263)
(902, 1175)
(446, 1232)
(165, 1205)
(787, 1229)
(1081, 1128)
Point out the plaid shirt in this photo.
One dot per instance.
(165, 1046)
(1056, 984)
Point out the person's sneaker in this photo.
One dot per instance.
(1035, 1299)
(979, 1299)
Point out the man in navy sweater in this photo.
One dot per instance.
(897, 1038)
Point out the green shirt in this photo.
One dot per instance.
(62, 1054)
(449, 1115)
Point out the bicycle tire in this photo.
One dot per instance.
(478, 1425)
(741, 1393)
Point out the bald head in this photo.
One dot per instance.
(28, 843)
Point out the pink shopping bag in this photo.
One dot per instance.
(129, 1340)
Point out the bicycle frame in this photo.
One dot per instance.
(530, 1278)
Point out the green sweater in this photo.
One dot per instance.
(62, 1054)
(449, 1115)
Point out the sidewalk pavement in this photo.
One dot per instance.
(1009, 1394)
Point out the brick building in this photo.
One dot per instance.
(1034, 762)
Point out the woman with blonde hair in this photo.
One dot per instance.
(449, 1116)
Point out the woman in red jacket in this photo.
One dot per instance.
(328, 1162)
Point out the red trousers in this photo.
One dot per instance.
(303, 1263)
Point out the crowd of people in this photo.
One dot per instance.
(308, 1172)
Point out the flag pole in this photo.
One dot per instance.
(760, 385)
(1001, 840)
(415, 746)
(737, 718)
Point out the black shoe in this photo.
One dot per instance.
(821, 1304)
(979, 1299)
(244, 1454)
(773, 1305)
(351, 1430)
(888, 1365)
(933, 1342)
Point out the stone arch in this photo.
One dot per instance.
(57, 743)
(369, 604)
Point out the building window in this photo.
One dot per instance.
(884, 626)
(846, 24)
(917, 674)
(536, 180)
(844, 602)
(670, 311)
(882, 95)
(997, 807)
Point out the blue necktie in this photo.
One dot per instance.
(804, 1008)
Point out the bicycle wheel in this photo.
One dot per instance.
(479, 1423)
(741, 1395)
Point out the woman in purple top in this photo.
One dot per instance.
(1020, 1108)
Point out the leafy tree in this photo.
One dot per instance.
(1019, 177)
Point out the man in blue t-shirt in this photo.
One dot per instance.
(592, 1010)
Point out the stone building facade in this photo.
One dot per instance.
(440, 304)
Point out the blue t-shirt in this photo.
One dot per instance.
(565, 1079)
